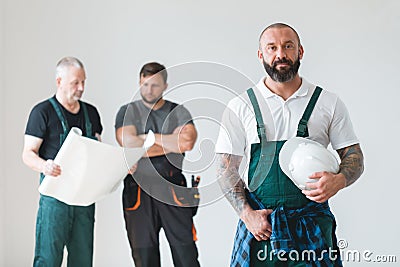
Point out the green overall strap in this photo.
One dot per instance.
(64, 122)
(88, 124)
(60, 115)
(302, 130)
(259, 119)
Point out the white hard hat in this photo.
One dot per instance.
(301, 157)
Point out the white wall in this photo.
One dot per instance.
(351, 48)
(2, 165)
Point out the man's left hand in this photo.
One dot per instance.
(326, 187)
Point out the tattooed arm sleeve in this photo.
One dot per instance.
(352, 165)
(230, 181)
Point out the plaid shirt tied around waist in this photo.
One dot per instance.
(307, 236)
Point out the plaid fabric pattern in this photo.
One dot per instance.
(241, 248)
(308, 235)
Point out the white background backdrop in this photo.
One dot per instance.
(351, 48)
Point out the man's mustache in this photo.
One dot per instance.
(283, 61)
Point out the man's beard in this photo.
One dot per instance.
(283, 75)
(77, 97)
(151, 101)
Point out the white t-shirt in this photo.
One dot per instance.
(329, 122)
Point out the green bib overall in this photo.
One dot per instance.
(272, 187)
(59, 224)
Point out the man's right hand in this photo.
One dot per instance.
(50, 168)
(133, 169)
(257, 223)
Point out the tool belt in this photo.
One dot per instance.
(187, 197)
(178, 193)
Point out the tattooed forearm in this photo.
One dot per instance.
(230, 182)
(352, 165)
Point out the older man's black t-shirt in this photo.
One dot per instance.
(44, 123)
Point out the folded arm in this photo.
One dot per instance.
(127, 137)
(181, 140)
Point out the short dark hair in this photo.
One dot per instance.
(152, 68)
(280, 25)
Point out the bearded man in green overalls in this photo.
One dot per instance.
(60, 225)
(277, 218)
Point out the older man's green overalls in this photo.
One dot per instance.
(273, 188)
(59, 224)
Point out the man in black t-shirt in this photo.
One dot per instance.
(151, 196)
(59, 224)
